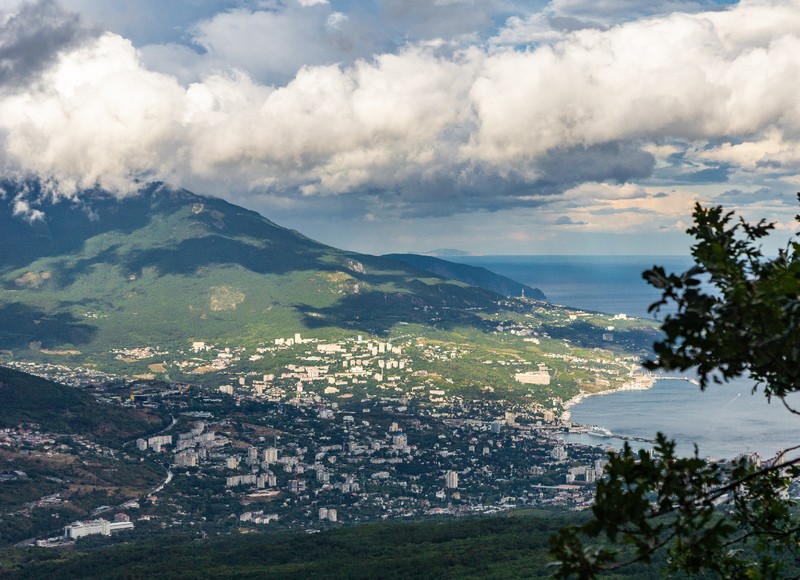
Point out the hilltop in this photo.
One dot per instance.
(128, 286)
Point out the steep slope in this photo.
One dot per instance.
(472, 275)
(57, 408)
(167, 266)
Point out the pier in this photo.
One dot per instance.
(606, 434)
(694, 381)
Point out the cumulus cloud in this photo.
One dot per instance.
(773, 150)
(419, 131)
(95, 117)
(691, 77)
(628, 208)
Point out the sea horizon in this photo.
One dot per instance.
(611, 284)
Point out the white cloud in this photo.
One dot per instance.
(690, 77)
(599, 193)
(482, 128)
(96, 117)
(526, 31)
(99, 117)
(771, 150)
(269, 44)
(22, 208)
(335, 20)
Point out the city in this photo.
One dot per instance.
(356, 430)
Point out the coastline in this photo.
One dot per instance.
(640, 383)
(724, 422)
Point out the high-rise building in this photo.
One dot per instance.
(451, 479)
(271, 455)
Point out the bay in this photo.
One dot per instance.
(723, 421)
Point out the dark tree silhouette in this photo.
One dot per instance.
(736, 312)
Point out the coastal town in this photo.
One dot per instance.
(307, 433)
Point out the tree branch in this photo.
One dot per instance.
(652, 550)
(785, 404)
(718, 492)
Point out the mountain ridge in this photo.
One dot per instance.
(166, 264)
(472, 275)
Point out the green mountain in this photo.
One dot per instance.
(167, 266)
(55, 408)
(472, 275)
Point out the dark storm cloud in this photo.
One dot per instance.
(32, 39)
(618, 161)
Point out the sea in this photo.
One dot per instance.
(722, 421)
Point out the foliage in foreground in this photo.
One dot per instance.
(496, 547)
(737, 313)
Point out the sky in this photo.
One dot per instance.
(486, 126)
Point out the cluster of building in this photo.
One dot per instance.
(25, 436)
(361, 429)
(258, 517)
(155, 443)
(138, 353)
(380, 458)
(586, 473)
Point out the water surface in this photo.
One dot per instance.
(724, 420)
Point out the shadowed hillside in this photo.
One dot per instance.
(496, 547)
(57, 408)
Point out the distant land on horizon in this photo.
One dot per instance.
(442, 253)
